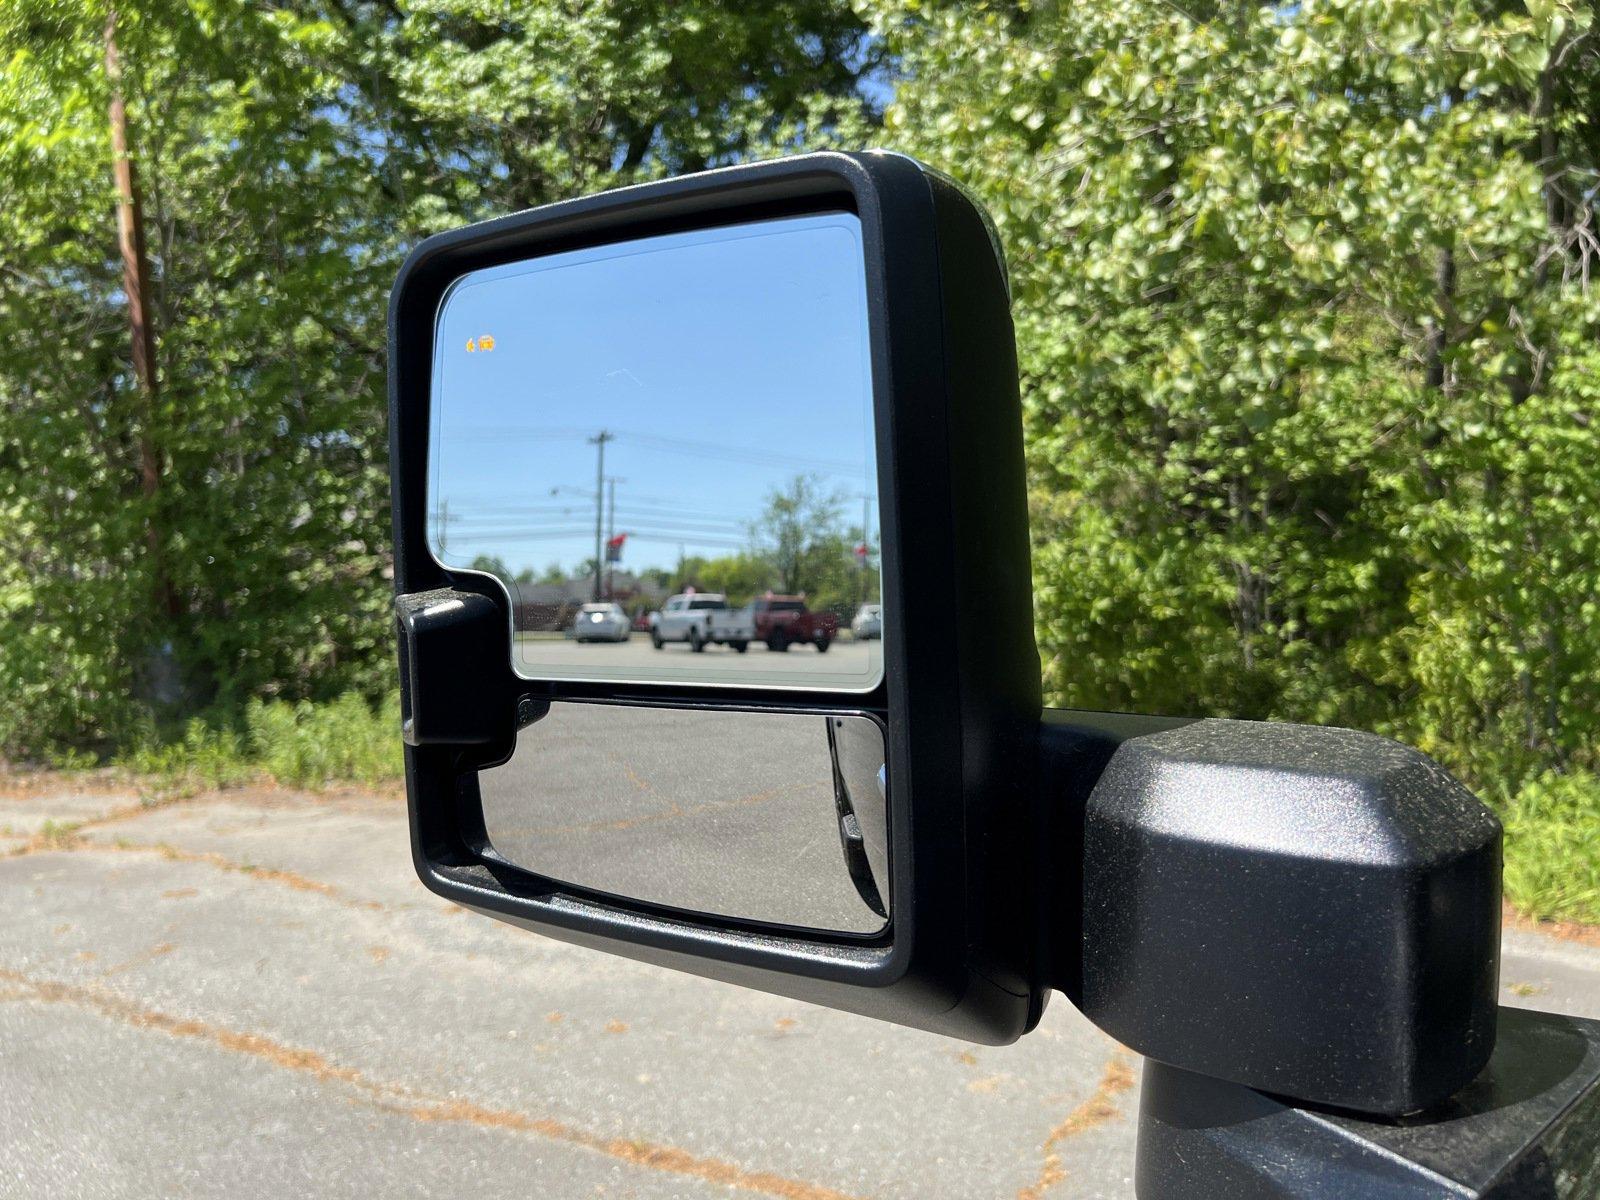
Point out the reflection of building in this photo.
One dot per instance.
(549, 606)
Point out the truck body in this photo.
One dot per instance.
(783, 621)
(702, 619)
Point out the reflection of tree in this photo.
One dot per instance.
(800, 533)
(739, 576)
(799, 544)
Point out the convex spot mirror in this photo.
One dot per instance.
(712, 576)
(778, 818)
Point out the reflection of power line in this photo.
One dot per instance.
(639, 533)
(624, 510)
(693, 539)
(520, 535)
(626, 523)
(750, 455)
(501, 433)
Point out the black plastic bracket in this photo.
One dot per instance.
(1310, 911)
(1528, 1127)
(445, 635)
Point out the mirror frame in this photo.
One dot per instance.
(960, 695)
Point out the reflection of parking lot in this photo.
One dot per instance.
(721, 812)
(562, 653)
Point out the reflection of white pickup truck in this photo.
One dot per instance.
(701, 618)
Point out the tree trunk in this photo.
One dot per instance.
(136, 285)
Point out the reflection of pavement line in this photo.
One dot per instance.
(406, 1101)
(666, 814)
(1099, 1108)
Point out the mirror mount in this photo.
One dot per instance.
(440, 704)
(1312, 912)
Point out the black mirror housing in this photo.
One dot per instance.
(959, 700)
(1310, 912)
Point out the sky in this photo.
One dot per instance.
(723, 363)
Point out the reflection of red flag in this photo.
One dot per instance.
(614, 547)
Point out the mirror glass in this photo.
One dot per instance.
(664, 449)
(772, 817)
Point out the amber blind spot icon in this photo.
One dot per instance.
(485, 342)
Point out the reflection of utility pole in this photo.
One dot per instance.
(611, 529)
(866, 541)
(444, 526)
(600, 439)
(864, 550)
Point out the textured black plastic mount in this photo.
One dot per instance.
(1527, 1128)
(439, 706)
(1312, 912)
(960, 696)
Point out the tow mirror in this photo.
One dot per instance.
(743, 405)
(734, 409)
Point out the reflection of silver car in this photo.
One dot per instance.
(868, 622)
(600, 623)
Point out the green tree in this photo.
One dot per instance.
(1308, 351)
(289, 155)
(801, 534)
(740, 576)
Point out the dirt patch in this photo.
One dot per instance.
(1567, 931)
(1100, 1107)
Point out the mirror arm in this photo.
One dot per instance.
(1529, 1125)
(1313, 912)
(1074, 749)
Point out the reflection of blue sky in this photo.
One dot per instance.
(725, 361)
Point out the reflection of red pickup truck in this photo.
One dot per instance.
(781, 621)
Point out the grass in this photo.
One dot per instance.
(1552, 824)
(1553, 847)
(302, 745)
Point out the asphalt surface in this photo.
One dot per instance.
(248, 994)
(727, 813)
(848, 664)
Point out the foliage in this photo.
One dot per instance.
(1303, 297)
(798, 545)
(1308, 352)
(1553, 847)
(308, 745)
(305, 745)
(288, 155)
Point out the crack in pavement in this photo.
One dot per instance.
(410, 1102)
(279, 875)
(159, 950)
(67, 834)
(1099, 1108)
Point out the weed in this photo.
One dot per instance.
(1553, 847)
(303, 745)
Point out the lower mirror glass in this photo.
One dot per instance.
(773, 817)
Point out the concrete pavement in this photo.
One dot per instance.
(248, 994)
